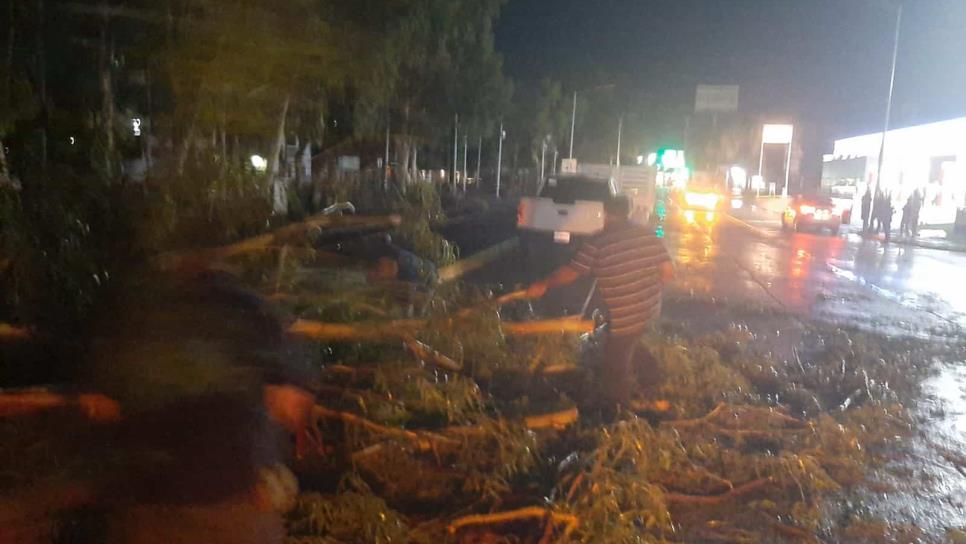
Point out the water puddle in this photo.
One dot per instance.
(925, 486)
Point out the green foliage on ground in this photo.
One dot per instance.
(324, 519)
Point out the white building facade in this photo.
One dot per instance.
(930, 158)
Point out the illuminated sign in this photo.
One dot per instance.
(670, 158)
(777, 134)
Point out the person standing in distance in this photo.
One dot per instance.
(631, 266)
(866, 210)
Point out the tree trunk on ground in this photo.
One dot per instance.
(279, 196)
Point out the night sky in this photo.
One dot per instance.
(824, 61)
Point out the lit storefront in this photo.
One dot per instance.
(929, 158)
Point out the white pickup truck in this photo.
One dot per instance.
(567, 208)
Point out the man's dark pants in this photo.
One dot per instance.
(616, 377)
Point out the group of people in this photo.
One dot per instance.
(877, 212)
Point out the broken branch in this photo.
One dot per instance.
(11, 333)
(555, 421)
(369, 330)
(713, 500)
(174, 260)
(734, 415)
(550, 326)
(425, 441)
(431, 356)
(402, 328)
(477, 260)
(796, 533)
(94, 406)
(569, 521)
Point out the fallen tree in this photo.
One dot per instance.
(445, 413)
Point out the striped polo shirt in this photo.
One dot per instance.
(626, 261)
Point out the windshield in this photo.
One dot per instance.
(567, 190)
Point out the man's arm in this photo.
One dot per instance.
(565, 275)
(582, 264)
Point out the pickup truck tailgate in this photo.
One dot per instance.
(543, 214)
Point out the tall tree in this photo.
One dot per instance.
(16, 96)
(436, 60)
(244, 67)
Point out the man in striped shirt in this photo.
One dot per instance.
(631, 266)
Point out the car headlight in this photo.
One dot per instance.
(805, 209)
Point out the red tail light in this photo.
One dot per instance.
(521, 213)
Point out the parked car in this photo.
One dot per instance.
(814, 213)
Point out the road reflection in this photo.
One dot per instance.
(695, 252)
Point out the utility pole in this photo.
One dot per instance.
(499, 161)
(479, 158)
(761, 156)
(385, 158)
(543, 156)
(788, 163)
(888, 112)
(456, 145)
(465, 145)
(620, 129)
(555, 161)
(573, 121)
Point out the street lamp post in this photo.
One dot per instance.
(892, 83)
(620, 129)
(479, 158)
(573, 122)
(788, 163)
(456, 146)
(543, 156)
(499, 160)
(385, 163)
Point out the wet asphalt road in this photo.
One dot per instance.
(845, 279)
(747, 257)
